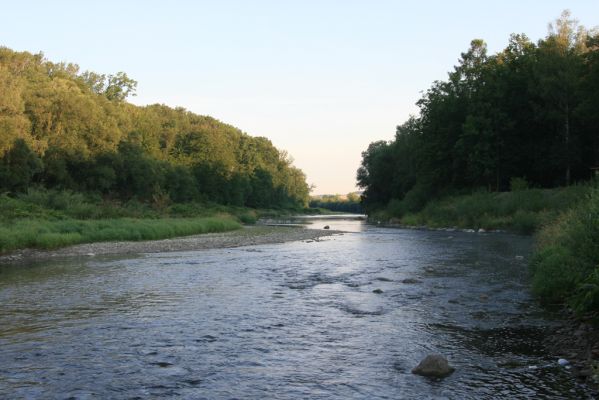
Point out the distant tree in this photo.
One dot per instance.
(119, 87)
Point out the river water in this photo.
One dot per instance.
(286, 321)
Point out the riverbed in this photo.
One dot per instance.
(345, 316)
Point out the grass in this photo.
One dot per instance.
(49, 219)
(522, 211)
(565, 265)
(51, 234)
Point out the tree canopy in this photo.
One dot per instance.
(62, 128)
(528, 111)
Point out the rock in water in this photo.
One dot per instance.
(327, 227)
(433, 365)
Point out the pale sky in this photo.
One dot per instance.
(321, 79)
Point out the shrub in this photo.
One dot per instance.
(552, 279)
(566, 264)
(525, 222)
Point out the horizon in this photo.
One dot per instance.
(319, 81)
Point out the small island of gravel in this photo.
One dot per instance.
(247, 236)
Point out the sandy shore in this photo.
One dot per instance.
(247, 236)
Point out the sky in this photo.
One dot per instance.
(320, 79)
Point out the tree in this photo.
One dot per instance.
(558, 70)
(18, 167)
(119, 87)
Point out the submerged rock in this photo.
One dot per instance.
(377, 291)
(434, 365)
(327, 227)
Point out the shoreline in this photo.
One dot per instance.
(247, 236)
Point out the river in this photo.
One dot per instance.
(286, 321)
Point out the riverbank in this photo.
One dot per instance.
(564, 267)
(246, 236)
(50, 219)
(522, 211)
(565, 271)
(577, 342)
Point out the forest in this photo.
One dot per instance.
(526, 115)
(67, 130)
(349, 203)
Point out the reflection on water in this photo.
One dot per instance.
(338, 222)
(294, 320)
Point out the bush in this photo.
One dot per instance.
(552, 281)
(525, 222)
(53, 199)
(417, 197)
(247, 218)
(566, 263)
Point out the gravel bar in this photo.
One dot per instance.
(247, 236)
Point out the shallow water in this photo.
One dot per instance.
(293, 320)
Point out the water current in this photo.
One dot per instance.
(296, 320)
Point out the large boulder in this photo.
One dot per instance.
(434, 365)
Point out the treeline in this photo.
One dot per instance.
(334, 202)
(528, 112)
(65, 129)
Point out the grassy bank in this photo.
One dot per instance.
(566, 262)
(50, 234)
(522, 211)
(50, 219)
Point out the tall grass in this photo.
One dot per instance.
(522, 211)
(566, 262)
(50, 234)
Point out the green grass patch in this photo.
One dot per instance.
(523, 211)
(565, 265)
(50, 234)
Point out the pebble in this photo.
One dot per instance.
(563, 362)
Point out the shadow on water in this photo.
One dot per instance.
(345, 317)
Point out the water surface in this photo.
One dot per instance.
(288, 321)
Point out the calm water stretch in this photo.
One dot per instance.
(287, 321)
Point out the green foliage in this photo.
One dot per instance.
(349, 203)
(248, 218)
(525, 222)
(523, 211)
(52, 234)
(526, 111)
(18, 167)
(566, 264)
(552, 283)
(89, 139)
